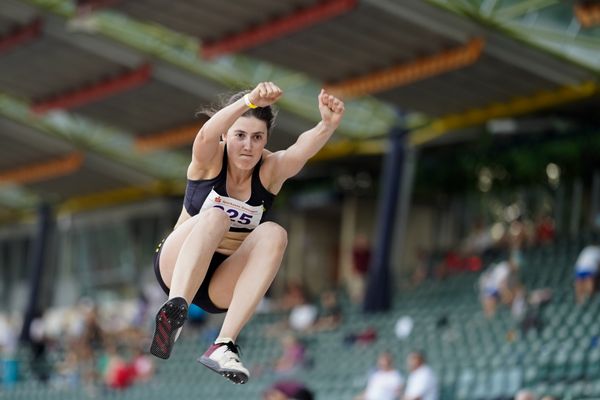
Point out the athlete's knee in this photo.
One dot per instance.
(273, 234)
(213, 217)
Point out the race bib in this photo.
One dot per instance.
(241, 214)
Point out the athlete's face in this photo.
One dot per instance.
(245, 141)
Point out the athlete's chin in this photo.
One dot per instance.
(247, 162)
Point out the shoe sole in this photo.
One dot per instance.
(235, 376)
(168, 321)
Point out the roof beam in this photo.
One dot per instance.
(42, 171)
(20, 35)
(17, 198)
(528, 23)
(87, 6)
(110, 142)
(517, 106)
(119, 196)
(457, 25)
(96, 91)
(129, 57)
(346, 148)
(364, 118)
(276, 28)
(407, 73)
(171, 138)
(523, 7)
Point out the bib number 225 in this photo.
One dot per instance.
(235, 215)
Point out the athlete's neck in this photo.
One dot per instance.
(237, 176)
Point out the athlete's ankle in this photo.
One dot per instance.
(224, 339)
(178, 299)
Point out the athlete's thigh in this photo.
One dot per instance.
(172, 246)
(226, 276)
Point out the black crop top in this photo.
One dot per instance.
(244, 215)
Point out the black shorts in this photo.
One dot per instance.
(201, 299)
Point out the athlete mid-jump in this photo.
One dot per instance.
(221, 256)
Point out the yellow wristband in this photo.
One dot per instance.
(248, 102)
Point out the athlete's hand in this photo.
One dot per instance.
(331, 108)
(265, 94)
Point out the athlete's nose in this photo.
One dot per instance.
(247, 144)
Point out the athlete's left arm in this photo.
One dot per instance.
(289, 162)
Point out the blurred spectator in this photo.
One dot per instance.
(303, 317)
(422, 383)
(479, 241)
(586, 271)
(361, 258)
(67, 371)
(293, 356)
(143, 366)
(330, 314)
(385, 383)
(421, 271)
(294, 295)
(453, 262)
(548, 398)
(366, 336)
(527, 309)
(545, 230)
(117, 373)
(141, 311)
(38, 343)
(497, 284)
(92, 334)
(9, 365)
(87, 365)
(302, 314)
(525, 395)
(288, 390)
(518, 236)
(404, 326)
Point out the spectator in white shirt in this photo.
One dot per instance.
(422, 382)
(497, 284)
(384, 384)
(586, 270)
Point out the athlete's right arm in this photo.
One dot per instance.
(206, 142)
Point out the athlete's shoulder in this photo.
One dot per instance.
(206, 169)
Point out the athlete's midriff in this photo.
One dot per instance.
(231, 242)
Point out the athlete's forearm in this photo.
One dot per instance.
(222, 120)
(314, 139)
(207, 140)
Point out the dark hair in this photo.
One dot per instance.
(266, 114)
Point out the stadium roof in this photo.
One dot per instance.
(97, 97)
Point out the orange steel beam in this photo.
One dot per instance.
(42, 171)
(277, 27)
(20, 35)
(588, 14)
(96, 91)
(168, 139)
(407, 73)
